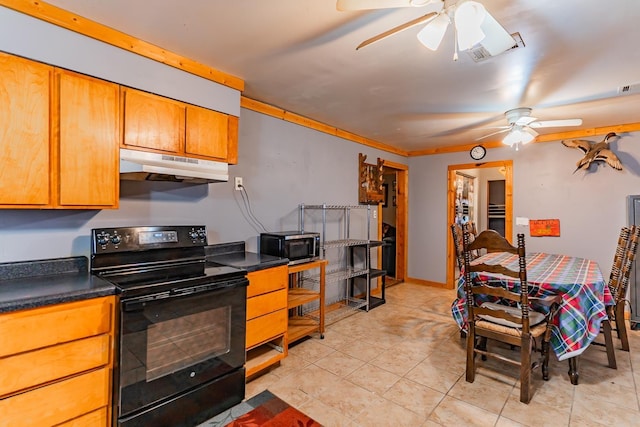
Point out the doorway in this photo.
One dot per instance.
(480, 178)
(392, 222)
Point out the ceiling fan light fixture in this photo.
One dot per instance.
(431, 35)
(518, 135)
(468, 19)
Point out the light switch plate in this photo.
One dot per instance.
(522, 221)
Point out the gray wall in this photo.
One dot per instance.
(29, 37)
(591, 206)
(282, 164)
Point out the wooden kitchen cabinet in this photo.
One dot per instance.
(59, 138)
(266, 342)
(56, 363)
(207, 132)
(161, 124)
(25, 160)
(88, 142)
(152, 121)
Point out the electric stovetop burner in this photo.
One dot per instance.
(158, 259)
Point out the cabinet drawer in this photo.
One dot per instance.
(268, 280)
(264, 328)
(92, 419)
(266, 303)
(57, 402)
(42, 327)
(37, 367)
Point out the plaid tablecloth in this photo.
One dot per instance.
(580, 283)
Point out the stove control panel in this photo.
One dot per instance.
(122, 239)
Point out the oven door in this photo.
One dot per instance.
(176, 341)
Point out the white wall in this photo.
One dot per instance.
(591, 206)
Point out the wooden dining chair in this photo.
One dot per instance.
(614, 286)
(516, 324)
(456, 233)
(619, 279)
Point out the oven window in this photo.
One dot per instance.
(185, 341)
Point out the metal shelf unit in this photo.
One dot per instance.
(348, 263)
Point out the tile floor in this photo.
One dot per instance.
(403, 364)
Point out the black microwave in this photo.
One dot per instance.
(298, 246)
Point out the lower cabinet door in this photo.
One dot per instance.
(58, 402)
(264, 328)
(26, 370)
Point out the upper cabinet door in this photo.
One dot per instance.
(154, 122)
(25, 88)
(207, 133)
(232, 150)
(89, 143)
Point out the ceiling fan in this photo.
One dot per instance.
(472, 24)
(521, 126)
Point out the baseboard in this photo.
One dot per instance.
(427, 283)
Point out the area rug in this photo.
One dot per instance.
(264, 409)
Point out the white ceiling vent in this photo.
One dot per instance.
(478, 53)
(629, 89)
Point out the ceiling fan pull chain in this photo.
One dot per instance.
(455, 43)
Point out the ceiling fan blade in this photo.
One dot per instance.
(432, 34)
(429, 16)
(494, 133)
(497, 39)
(525, 120)
(343, 5)
(496, 127)
(468, 19)
(555, 123)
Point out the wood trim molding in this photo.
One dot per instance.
(97, 31)
(270, 110)
(629, 127)
(394, 165)
(508, 231)
(65, 19)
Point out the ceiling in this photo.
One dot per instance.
(300, 56)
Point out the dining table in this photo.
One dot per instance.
(578, 281)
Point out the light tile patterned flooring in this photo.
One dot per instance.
(403, 364)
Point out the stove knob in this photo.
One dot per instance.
(102, 239)
(116, 239)
(202, 234)
(193, 234)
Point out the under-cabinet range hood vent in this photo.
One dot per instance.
(146, 166)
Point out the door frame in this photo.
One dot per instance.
(402, 202)
(451, 207)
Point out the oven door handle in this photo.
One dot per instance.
(137, 303)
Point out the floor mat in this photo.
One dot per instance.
(264, 409)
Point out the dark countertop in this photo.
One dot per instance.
(234, 254)
(38, 283)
